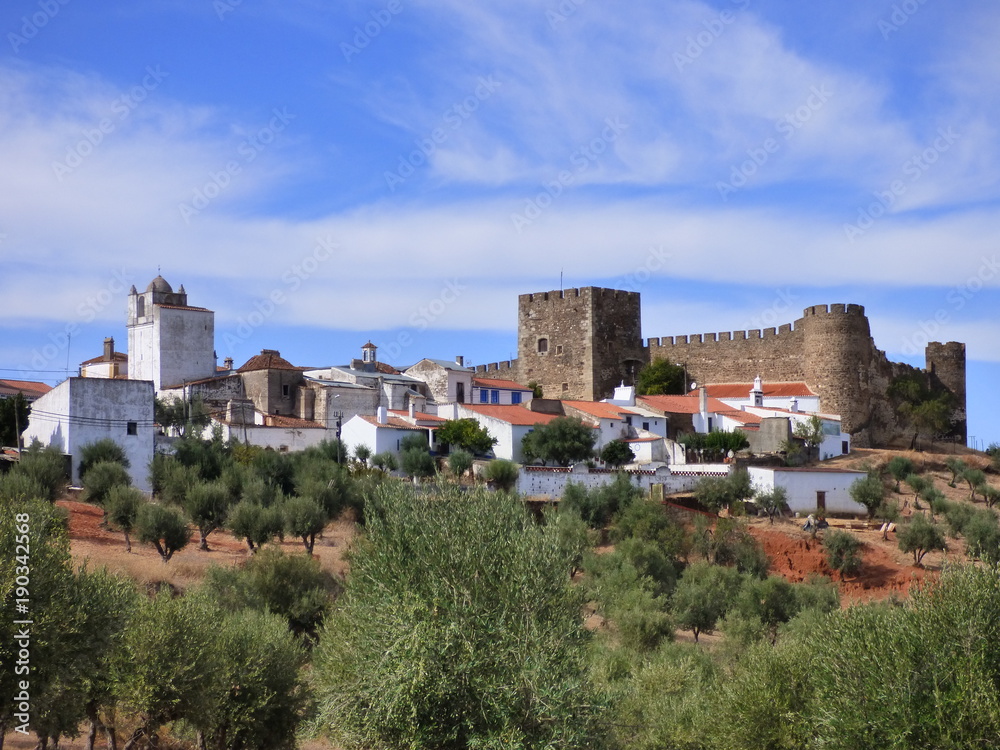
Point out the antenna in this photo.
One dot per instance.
(560, 280)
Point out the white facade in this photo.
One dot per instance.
(380, 434)
(810, 489)
(79, 411)
(546, 481)
(505, 392)
(169, 342)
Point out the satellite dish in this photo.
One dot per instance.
(693, 385)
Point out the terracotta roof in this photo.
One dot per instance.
(831, 417)
(512, 413)
(268, 359)
(770, 390)
(282, 420)
(509, 385)
(599, 409)
(28, 388)
(393, 422)
(419, 415)
(386, 369)
(743, 417)
(682, 404)
(115, 357)
(641, 440)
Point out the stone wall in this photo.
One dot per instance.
(591, 343)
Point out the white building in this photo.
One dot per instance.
(169, 342)
(110, 364)
(386, 431)
(810, 488)
(79, 411)
(499, 391)
(508, 424)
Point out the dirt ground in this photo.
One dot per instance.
(794, 554)
(94, 545)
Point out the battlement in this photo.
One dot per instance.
(836, 309)
(494, 367)
(596, 292)
(722, 337)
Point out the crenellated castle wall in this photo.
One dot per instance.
(592, 342)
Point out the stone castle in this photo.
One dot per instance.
(581, 343)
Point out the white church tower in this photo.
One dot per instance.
(169, 342)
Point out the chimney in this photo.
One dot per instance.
(413, 410)
(794, 406)
(757, 393)
(702, 401)
(109, 349)
(460, 360)
(382, 415)
(228, 363)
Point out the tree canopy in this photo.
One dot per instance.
(466, 434)
(563, 441)
(661, 377)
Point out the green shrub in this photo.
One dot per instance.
(101, 478)
(843, 551)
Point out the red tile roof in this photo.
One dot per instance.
(115, 357)
(682, 404)
(283, 420)
(28, 388)
(743, 417)
(424, 417)
(770, 390)
(393, 422)
(512, 413)
(499, 383)
(599, 409)
(268, 359)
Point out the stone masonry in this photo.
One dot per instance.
(581, 343)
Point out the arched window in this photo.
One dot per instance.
(140, 308)
(543, 346)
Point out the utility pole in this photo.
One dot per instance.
(18, 400)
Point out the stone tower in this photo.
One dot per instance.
(169, 342)
(579, 343)
(946, 368)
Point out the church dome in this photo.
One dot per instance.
(159, 284)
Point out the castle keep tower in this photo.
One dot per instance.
(946, 368)
(579, 343)
(169, 342)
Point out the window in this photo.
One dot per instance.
(132, 428)
(543, 346)
(844, 447)
(645, 426)
(483, 396)
(494, 397)
(285, 390)
(558, 348)
(628, 420)
(515, 398)
(565, 387)
(460, 392)
(140, 307)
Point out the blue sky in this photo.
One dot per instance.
(402, 170)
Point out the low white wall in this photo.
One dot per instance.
(547, 481)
